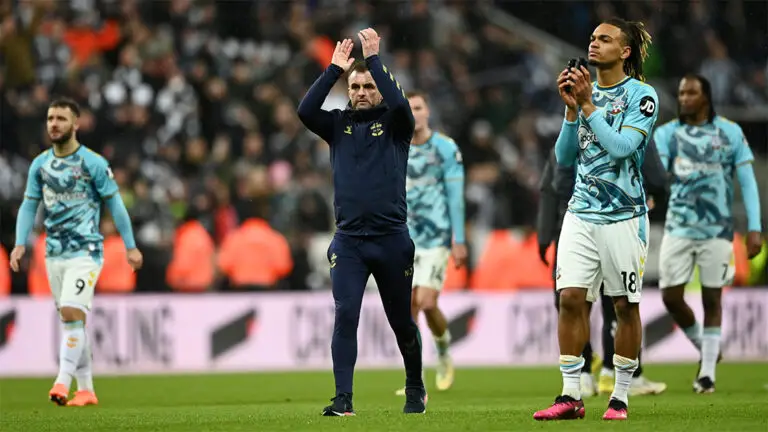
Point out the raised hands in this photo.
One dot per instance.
(341, 54)
(581, 85)
(562, 83)
(370, 42)
(369, 39)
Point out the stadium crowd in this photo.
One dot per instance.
(194, 104)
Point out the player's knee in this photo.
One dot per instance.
(573, 300)
(68, 314)
(428, 300)
(626, 311)
(673, 298)
(347, 317)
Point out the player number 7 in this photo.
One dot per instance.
(725, 271)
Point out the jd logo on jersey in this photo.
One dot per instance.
(647, 106)
(376, 129)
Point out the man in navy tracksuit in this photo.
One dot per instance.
(369, 144)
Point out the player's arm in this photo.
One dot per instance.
(546, 219)
(567, 144)
(393, 95)
(638, 124)
(661, 142)
(743, 159)
(310, 110)
(654, 174)
(453, 177)
(33, 193)
(110, 194)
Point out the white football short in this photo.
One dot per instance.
(679, 256)
(589, 254)
(429, 266)
(73, 281)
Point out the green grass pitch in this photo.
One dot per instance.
(481, 400)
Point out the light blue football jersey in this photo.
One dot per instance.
(607, 189)
(72, 189)
(431, 167)
(702, 160)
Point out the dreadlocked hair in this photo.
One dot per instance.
(638, 40)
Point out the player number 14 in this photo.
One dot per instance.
(630, 281)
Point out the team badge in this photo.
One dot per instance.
(77, 172)
(617, 107)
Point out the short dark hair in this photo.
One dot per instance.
(706, 89)
(66, 103)
(359, 66)
(638, 40)
(417, 93)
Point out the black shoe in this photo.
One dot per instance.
(341, 406)
(415, 401)
(698, 371)
(617, 404)
(704, 385)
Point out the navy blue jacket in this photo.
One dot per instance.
(369, 152)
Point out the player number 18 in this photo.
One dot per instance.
(630, 281)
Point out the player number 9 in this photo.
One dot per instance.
(80, 285)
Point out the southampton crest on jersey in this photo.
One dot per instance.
(617, 106)
(77, 172)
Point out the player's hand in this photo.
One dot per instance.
(459, 253)
(135, 259)
(581, 85)
(370, 41)
(16, 255)
(562, 83)
(341, 54)
(754, 244)
(651, 203)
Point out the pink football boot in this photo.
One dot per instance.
(564, 408)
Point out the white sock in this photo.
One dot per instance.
(625, 368)
(571, 366)
(72, 344)
(442, 343)
(84, 372)
(710, 350)
(606, 372)
(693, 333)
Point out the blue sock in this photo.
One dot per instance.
(693, 333)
